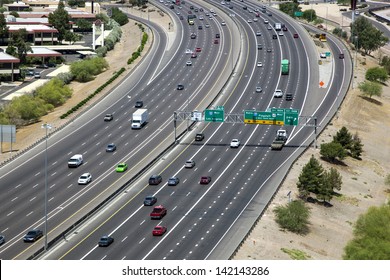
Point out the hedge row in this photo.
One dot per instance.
(98, 90)
(138, 52)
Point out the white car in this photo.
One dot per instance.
(249, 21)
(281, 33)
(258, 33)
(259, 89)
(255, 19)
(84, 179)
(322, 55)
(223, 23)
(235, 143)
(189, 63)
(188, 51)
(278, 93)
(259, 64)
(207, 25)
(201, 18)
(266, 21)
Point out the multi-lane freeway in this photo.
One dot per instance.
(203, 221)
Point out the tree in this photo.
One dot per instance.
(331, 180)
(365, 36)
(119, 16)
(356, 148)
(385, 62)
(332, 150)
(18, 45)
(344, 137)
(293, 217)
(60, 20)
(83, 25)
(371, 236)
(72, 37)
(370, 89)
(309, 15)
(377, 74)
(4, 29)
(310, 178)
(54, 92)
(289, 8)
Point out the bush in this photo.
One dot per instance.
(294, 217)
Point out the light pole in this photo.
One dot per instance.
(46, 126)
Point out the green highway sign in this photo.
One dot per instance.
(291, 116)
(214, 115)
(298, 14)
(255, 117)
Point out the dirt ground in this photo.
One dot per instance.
(330, 228)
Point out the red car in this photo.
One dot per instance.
(204, 180)
(216, 41)
(194, 55)
(158, 212)
(295, 35)
(159, 230)
(198, 49)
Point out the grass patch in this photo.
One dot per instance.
(347, 199)
(296, 254)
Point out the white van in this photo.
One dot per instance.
(75, 161)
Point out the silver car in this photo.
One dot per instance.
(189, 163)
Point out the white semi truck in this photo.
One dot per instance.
(278, 26)
(140, 117)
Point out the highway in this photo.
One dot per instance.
(23, 198)
(203, 221)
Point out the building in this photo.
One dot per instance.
(9, 65)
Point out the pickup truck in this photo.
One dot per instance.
(280, 140)
(158, 212)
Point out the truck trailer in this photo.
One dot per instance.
(140, 118)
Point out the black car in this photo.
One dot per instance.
(105, 241)
(289, 96)
(274, 36)
(42, 66)
(193, 36)
(180, 87)
(217, 35)
(155, 180)
(150, 200)
(139, 104)
(111, 148)
(199, 137)
(2, 239)
(33, 235)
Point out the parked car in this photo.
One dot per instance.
(33, 235)
(105, 241)
(150, 200)
(155, 180)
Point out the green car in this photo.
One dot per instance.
(122, 167)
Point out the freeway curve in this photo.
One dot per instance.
(209, 221)
(23, 180)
